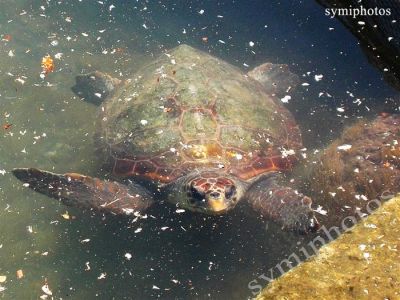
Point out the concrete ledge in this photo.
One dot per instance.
(363, 263)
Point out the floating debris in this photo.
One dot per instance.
(46, 289)
(344, 147)
(66, 216)
(47, 65)
(6, 38)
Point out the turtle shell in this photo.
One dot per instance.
(190, 110)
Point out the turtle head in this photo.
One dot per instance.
(212, 193)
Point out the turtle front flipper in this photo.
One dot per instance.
(87, 192)
(282, 204)
(95, 87)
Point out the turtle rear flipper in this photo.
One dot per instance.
(275, 78)
(95, 87)
(87, 192)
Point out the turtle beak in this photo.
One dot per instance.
(216, 202)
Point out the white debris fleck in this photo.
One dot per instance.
(318, 77)
(3, 172)
(173, 61)
(84, 34)
(87, 266)
(344, 147)
(58, 55)
(29, 228)
(373, 226)
(25, 184)
(155, 287)
(111, 7)
(390, 38)
(221, 41)
(173, 150)
(138, 230)
(286, 153)
(164, 228)
(286, 99)
(98, 95)
(356, 170)
(361, 23)
(11, 53)
(144, 26)
(47, 290)
(251, 44)
(305, 84)
(128, 256)
(102, 276)
(85, 241)
(201, 11)
(143, 122)
(362, 247)
(332, 194)
(20, 80)
(54, 43)
(340, 109)
(238, 156)
(179, 211)
(321, 211)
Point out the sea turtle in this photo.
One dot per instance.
(194, 130)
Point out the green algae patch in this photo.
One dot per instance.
(363, 263)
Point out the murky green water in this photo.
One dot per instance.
(195, 257)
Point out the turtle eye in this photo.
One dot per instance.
(196, 195)
(230, 190)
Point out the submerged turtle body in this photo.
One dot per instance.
(198, 131)
(190, 110)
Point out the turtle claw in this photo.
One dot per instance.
(36, 179)
(307, 225)
(298, 216)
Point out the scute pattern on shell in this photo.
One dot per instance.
(190, 110)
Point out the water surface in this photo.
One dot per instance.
(196, 257)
